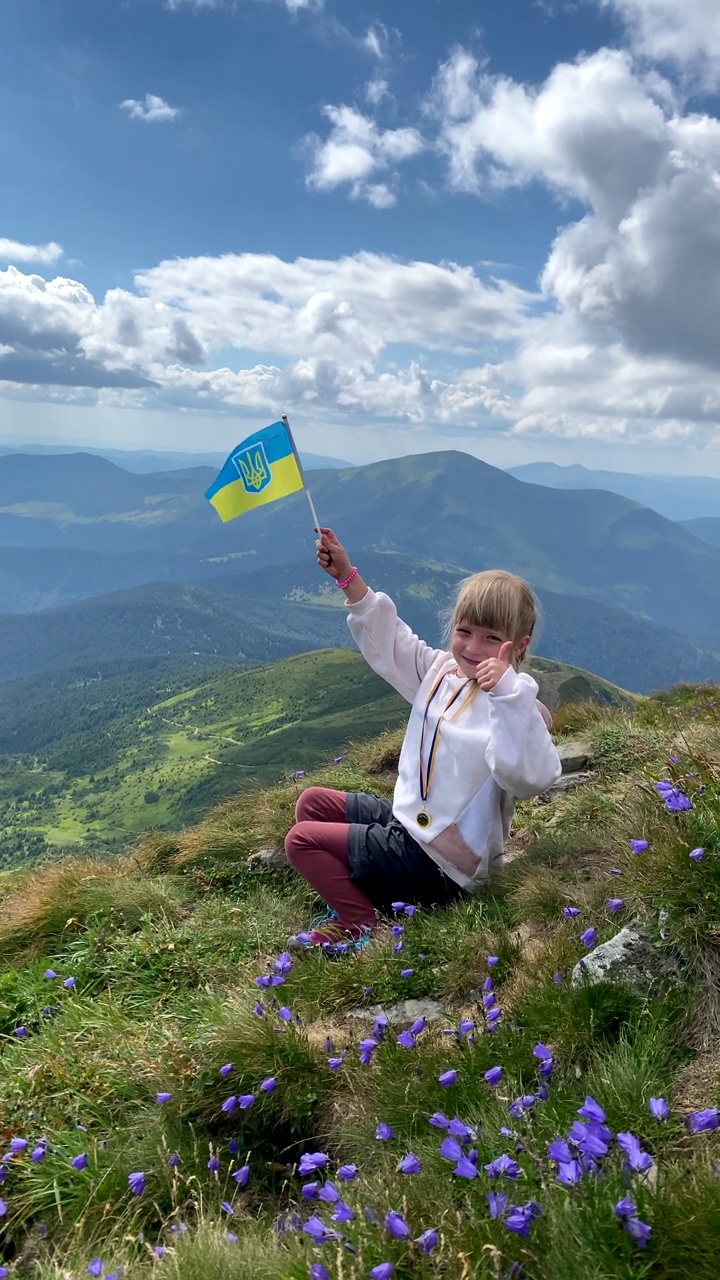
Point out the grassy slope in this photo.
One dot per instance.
(165, 945)
(242, 729)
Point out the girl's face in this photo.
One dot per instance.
(472, 645)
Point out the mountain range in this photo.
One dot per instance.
(681, 498)
(77, 527)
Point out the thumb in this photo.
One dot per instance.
(506, 652)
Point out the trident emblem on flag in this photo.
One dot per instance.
(253, 468)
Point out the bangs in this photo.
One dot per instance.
(498, 600)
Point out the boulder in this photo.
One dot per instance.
(631, 959)
(575, 754)
(404, 1012)
(273, 859)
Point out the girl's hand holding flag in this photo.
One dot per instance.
(334, 559)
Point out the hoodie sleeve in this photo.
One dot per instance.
(388, 645)
(520, 755)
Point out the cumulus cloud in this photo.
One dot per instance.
(14, 251)
(153, 110)
(356, 150)
(335, 324)
(683, 33)
(642, 265)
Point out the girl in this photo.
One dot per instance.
(476, 739)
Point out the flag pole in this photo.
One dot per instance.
(313, 512)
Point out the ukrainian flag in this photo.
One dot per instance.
(264, 467)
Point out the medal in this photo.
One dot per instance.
(423, 818)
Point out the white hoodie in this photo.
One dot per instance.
(492, 747)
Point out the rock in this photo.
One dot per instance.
(629, 959)
(273, 859)
(575, 754)
(567, 782)
(404, 1012)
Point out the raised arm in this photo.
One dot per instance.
(387, 643)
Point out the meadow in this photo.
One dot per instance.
(181, 1096)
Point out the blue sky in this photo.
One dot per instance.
(452, 224)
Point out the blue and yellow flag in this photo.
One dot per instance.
(262, 468)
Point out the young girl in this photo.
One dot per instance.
(476, 738)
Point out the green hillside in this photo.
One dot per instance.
(182, 1098)
(105, 767)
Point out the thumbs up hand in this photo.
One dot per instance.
(492, 670)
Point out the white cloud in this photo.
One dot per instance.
(153, 110)
(357, 149)
(685, 33)
(13, 251)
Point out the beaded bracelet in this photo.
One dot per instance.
(349, 579)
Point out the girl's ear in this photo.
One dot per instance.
(521, 648)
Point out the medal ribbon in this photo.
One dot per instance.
(426, 772)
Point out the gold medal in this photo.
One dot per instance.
(423, 818)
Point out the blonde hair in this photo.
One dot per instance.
(496, 599)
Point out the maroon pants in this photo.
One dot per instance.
(318, 847)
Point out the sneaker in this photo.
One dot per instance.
(333, 938)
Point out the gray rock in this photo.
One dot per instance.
(629, 959)
(404, 1012)
(567, 782)
(575, 754)
(273, 859)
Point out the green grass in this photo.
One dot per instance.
(165, 945)
(244, 729)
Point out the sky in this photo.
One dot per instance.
(445, 224)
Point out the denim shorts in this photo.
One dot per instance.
(387, 863)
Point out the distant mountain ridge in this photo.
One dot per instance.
(680, 498)
(285, 610)
(448, 510)
(142, 461)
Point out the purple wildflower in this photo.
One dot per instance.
(427, 1240)
(406, 973)
(492, 961)
(311, 1161)
(571, 912)
(95, 1268)
(70, 984)
(497, 1203)
(347, 1172)
(494, 1075)
(21, 1033)
(225, 1071)
(503, 1167)
(383, 1271)
(640, 1231)
(343, 1212)
(242, 1176)
(614, 904)
(698, 1121)
(438, 1120)
(697, 854)
(450, 1149)
(136, 1183)
(384, 1133)
(447, 1078)
(163, 1097)
(79, 1162)
(659, 1108)
(638, 1161)
(569, 1172)
(588, 937)
(396, 1225)
(465, 1168)
(406, 1039)
(639, 846)
(269, 1085)
(409, 1164)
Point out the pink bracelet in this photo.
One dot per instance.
(349, 579)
